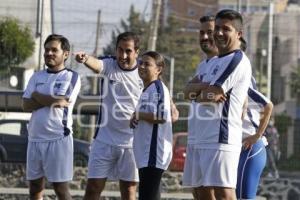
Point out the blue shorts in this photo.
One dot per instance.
(251, 165)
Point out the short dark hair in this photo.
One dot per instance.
(233, 16)
(65, 45)
(126, 36)
(207, 18)
(243, 45)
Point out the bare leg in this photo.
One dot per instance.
(205, 193)
(222, 193)
(36, 188)
(62, 190)
(94, 188)
(128, 190)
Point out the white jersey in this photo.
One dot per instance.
(52, 123)
(119, 93)
(220, 124)
(256, 103)
(193, 126)
(152, 143)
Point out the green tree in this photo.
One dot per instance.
(134, 23)
(16, 43)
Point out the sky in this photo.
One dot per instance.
(77, 19)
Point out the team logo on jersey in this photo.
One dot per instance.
(201, 76)
(57, 85)
(216, 69)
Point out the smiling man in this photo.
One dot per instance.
(111, 154)
(50, 96)
(192, 90)
(218, 138)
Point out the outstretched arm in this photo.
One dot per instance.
(90, 62)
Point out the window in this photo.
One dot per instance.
(12, 128)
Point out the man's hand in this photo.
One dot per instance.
(81, 57)
(212, 94)
(249, 141)
(133, 121)
(90, 62)
(61, 103)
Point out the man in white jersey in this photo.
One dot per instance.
(111, 154)
(192, 89)
(50, 96)
(219, 136)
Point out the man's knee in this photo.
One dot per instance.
(225, 193)
(62, 190)
(95, 185)
(128, 189)
(36, 186)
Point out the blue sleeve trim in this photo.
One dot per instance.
(237, 57)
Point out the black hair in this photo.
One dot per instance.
(233, 16)
(207, 18)
(126, 36)
(243, 45)
(159, 59)
(64, 42)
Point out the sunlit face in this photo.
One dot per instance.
(206, 38)
(227, 38)
(148, 70)
(54, 56)
(126, 54)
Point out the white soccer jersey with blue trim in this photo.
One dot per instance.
(193, 118)
(52, 123)
(256, 103)
(153, 142)
(220, 124)
(120, 91)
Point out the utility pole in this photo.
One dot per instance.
(154, 24)
(97, 33)
(239, 6)
(270, 45)
(94, 79)
(172, 63)
(39, 33)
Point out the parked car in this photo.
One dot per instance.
(179, 151)
(13, 143)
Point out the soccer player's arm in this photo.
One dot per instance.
(265, 114)
(28, 103)
(157, 108)
(150, 117)
(245, 106)
(50, 100)
(90, 62)
(237, 74)
(63, 96)
(174, 111)
(213, 94)
(193, 88)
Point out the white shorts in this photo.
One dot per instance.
(50, 159)
(112, 162)
(210, 167)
